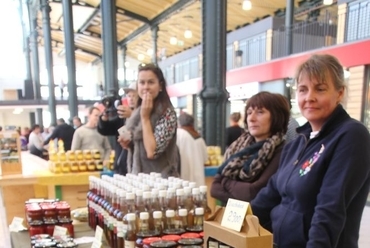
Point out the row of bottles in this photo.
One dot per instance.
(147, 204)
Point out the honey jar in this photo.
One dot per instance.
(71, 156)
(96, 154)
(91, 166)
(65, 167)
(99, 165)
(62, 156)
(87, 154)
(53, 156)
(82, 166)
(74, 166)
(79, 155)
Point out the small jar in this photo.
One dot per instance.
(163, 244)
(79, 155)
(34, 215)
(174, 238)
(63, 212)
(49, 213)
(91, 166)
(187, 242)
(36, 230)
(74, 166)
(53, 157)
(71, 156)
(65, 167)
(87, 154)
(99, 165)
(148, 241)
(62, 156)
(96, 154)
(82, 166)
(69, 227)
(49, 229)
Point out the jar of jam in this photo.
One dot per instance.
(69, 227)
(79, 155)
(36, 230)
(187, 242)
(174, 238)
(49, 213)
(163, 244)
(49, 229)
(34, 215)
(148, 241)
(63, 212)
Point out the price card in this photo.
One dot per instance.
(60, 231)
(16, 225)
(98, 233)
(96, 244)
(234, 214)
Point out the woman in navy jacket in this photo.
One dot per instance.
(317, 196)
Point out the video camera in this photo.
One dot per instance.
(111, 102)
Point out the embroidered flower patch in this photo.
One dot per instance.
(306, 167)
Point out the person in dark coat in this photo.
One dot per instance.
(254, 157)
(234, 131)
(316, 198)
(109, 127)
(64, 132)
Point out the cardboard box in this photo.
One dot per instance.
(246, 238)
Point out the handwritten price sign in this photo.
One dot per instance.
(234, 214)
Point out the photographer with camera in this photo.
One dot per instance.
(117, 110)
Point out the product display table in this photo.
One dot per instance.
(22, 239)
(37, 181)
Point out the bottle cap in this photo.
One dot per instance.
(131, 217)
(147, 195)
(192, 184)
(144, 215)
(179, 192)
(130, 196)
(203, 189)
(162, 193)
(138, 192)
(195, 191)
(157, 214)
(187, 190)
(170, 213)
(199, 211)
(183, 212)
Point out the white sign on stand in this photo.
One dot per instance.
(234, 214)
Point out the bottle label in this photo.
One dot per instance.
(129, 244)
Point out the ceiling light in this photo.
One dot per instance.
(247, 5)
(149, 52)
(173, 40)
(188, 34)
(127, 64)
(328, 2)
(140, 57)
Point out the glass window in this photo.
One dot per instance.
(229, 57)
(358, 25)
(194, 68)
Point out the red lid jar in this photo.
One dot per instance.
(34, 214)
(49, 213)
(63, 212)
(69, 227)
(36, 230)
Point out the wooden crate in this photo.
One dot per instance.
(10, 155)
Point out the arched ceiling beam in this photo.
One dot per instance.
(156, 20)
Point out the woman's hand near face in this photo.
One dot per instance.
(146, 106)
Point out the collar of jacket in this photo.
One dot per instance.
(335, 119)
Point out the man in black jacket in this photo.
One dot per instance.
(64, 132)
(109, 127)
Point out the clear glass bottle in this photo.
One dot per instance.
(158, 223)
(180, 199)
(198, 221)
(182, 221)
(204, 201)
(171, 199)
(130, 235)
(143, 228)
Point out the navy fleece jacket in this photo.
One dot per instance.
(317, 196)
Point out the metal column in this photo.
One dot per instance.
(213, 94)
(108, 13)
(32, 15)
(70, 58)
(155, 44)
(45, 8)
(124, 50)
(289, 15)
